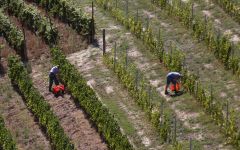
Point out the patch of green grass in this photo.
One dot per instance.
(114, 108)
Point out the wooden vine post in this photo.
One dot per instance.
(1, 47)
(136, 19)
(148, 20)
(180, 4)
(127, 8)
(116, 3)
(192, 16)
(196, 91)
(190, 144)
(232, 56)
(175, 129)
(51, 24)
(136, 79)
(159, 42)
(171, 50)
(227, 114)
(205, 24)
(137, 15)
(24, 52)
(104, 43)
(115, 55)
(126, 58)
(92, 25)
(149, 95)
(211, 99)
(161, 113)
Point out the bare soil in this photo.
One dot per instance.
(75, 123)
(19, 120)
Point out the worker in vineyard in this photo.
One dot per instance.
(174, 78)
(53, 77)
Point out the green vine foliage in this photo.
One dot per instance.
(87, 98)
(230, 7)
(11, 33)
(204, 30)
(173, 60)
(33, 20)
(36, 103)
(159, 114)
(68, 13)
(6, 140)
(213, 107)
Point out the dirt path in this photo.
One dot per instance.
(89, 62)
(73, 120)
(195, 122)
(19, 120)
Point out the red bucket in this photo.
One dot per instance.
(58, 88)
(172, 87)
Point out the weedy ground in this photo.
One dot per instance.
(193, 121)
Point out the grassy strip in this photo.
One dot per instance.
(11, 33)
(36, 103)
(203, 29)
(6, 141)
(32, 19)
(68, 13)
(87, 98)
(174, 63)
(160, 115)
(230, 7)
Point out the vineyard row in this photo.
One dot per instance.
(174, 62)
(36, 103)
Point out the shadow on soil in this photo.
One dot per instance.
(177, 94)
(2, 70)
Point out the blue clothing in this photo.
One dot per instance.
(172, 77)
(54, 70)
(52, 77)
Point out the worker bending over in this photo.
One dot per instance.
(52, 77)
(172, 77)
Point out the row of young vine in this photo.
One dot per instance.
(88, 100)
(203, 29)
(36, 103)
(29, 16)
(6, 140)
(108, 126)
(144, 95)
(11, 33)
(68, 13)
(174, 61)
(230, 7)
